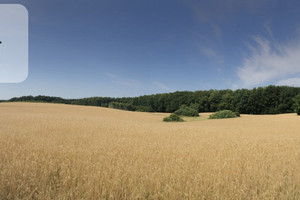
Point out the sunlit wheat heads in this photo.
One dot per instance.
(53, 151)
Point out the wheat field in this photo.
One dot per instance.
(54, 151)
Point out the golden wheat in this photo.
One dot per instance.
(50, 151)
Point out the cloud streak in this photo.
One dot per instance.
(163, 87)
(268, 63)
(212, 54)
(121, 81)
(289, 82)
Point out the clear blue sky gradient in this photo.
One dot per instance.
(122, 48)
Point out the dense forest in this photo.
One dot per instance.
(261, 100)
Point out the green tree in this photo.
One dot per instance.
(214, 100)
(286, 99)
(227, 101)
(297, 104)
(240, 101)
(257, 101)
(262, 100)
(271, 96)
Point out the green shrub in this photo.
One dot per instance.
(237, 114)
(173, 118)
(223, 114)
(195, 106)
(187, 111)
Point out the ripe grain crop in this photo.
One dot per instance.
(53, 151)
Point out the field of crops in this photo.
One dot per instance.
(55, 151)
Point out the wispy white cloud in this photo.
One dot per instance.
(111, 76)
(163, 87)
(220, 69)
(217, 31)
(289, 82)
(268, 29)
(212, 54)
(208, 46)
(269, 62)
(121, 81)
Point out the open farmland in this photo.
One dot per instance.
(54, 151)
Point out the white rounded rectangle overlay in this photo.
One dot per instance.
(14, 43)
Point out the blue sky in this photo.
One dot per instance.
(134, 47)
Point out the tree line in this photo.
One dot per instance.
(261, 100)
